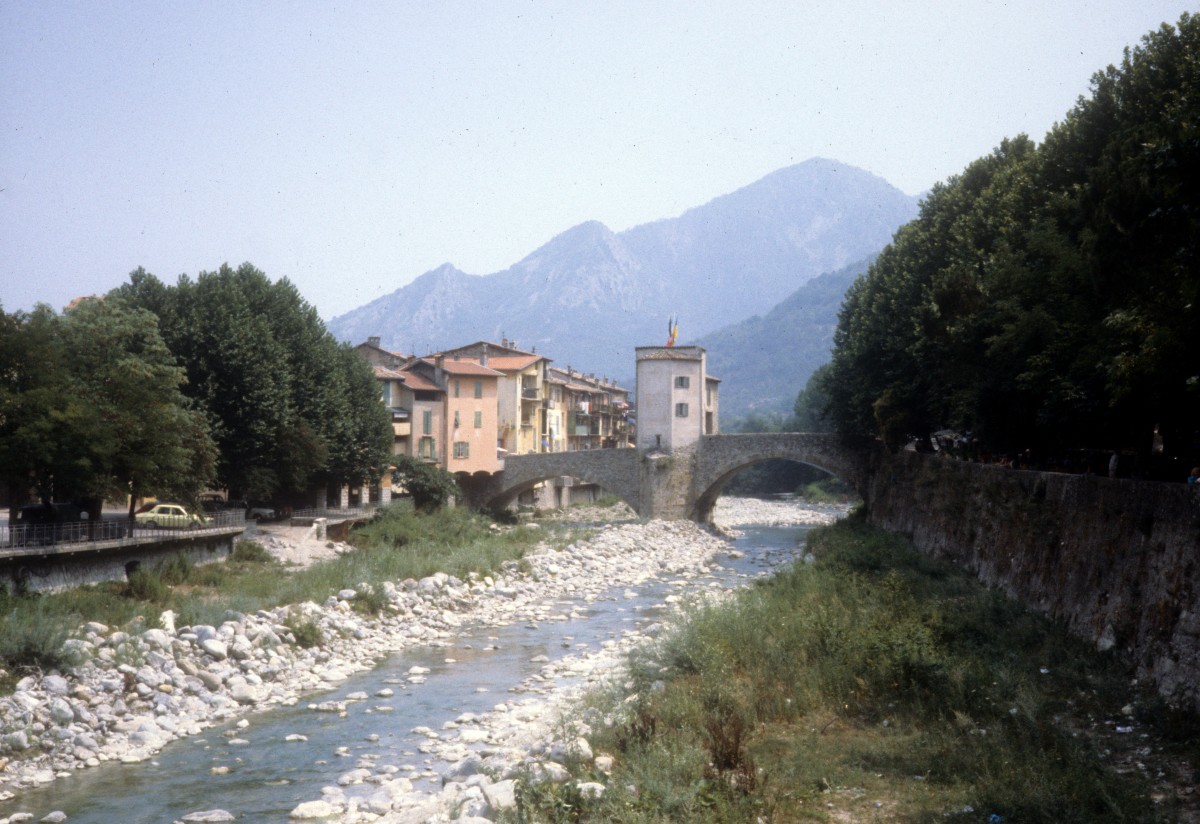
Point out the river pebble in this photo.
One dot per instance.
(139, 690)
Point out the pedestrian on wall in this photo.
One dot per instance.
(1193, 479)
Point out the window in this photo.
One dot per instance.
(479, 389)
(682, 382)
(427, 422)
(457, 422)
(427, 448)
(681, 410)
(462, 449)
(479, 420)
(457, 386)
(387, 393)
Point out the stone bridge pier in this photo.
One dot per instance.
(680, 484)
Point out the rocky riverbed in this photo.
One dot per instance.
(134, 692)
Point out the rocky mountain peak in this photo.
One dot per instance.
(588, 296)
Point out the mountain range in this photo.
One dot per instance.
(590, 295)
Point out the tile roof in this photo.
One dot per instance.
(466, 367)
(587, 383)
(417, 381)
(384, 373)
(513, 362)
(507, 347)
(669, 352)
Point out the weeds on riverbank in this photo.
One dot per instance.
(873, 685)
(399, 544)
(827, 491)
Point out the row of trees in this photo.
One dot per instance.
(92, 407)
(1048, 296)
(227, 380)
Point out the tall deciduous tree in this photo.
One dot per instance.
(1047, 297)
(42, 421)
(91, 407)
(290, 407)
(147, 437)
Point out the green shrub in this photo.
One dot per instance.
(30, 636)
(369, 600)
(176, 569)
(306, 633)
(251, 552)
(430, 487)
(149, 586)
(828, 490)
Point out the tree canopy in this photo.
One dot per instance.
(92, 406)
(431, 487)
(1046, 297)
(289, 406)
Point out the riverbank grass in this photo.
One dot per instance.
(874, 684)
(400, 543)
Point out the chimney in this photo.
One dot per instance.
(439, 371)
(483, 357)
(373, 341)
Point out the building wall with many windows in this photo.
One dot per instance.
(472, 416)
(465, 409)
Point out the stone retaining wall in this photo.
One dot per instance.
(72, 565)
(1117, 560)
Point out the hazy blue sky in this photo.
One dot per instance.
(353, 146)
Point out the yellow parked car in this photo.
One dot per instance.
(173, 516)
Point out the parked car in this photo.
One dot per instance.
(212, 503)
(173, 516)
(260, 511)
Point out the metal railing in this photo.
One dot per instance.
(18, 538)
(334, 512)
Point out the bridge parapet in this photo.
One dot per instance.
(684, 483)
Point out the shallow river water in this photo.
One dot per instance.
(267, 775)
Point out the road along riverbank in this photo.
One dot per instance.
(138, 691)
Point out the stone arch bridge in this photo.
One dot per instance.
(681, 484)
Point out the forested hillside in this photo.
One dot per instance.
(764, 361)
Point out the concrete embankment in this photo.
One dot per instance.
(137, 691)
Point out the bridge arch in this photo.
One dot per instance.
(614, 470)
(683, 483)
(721, 457)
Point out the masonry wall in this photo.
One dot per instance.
(666, 481)
(71, 565)
(1117, 560)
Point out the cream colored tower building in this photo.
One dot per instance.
(677, 401)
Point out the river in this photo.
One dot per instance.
(386, 719)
